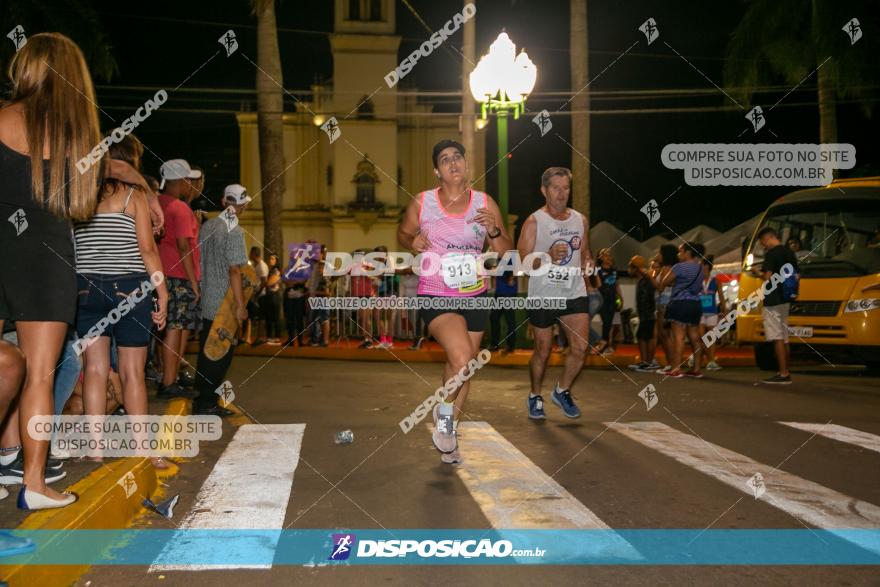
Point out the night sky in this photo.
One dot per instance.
(158, 44)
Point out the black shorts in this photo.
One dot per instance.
(646, 329)
(547, 318)
(684, 312)
(37, 266)
(476, 319)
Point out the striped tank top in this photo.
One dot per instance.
(449, 266)
(107, 244)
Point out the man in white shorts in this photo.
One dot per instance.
(775, 312)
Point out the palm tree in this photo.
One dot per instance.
(270, 125)
(580, 123)
(778, 40)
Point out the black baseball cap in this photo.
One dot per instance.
(445, 144)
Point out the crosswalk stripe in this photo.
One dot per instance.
(514, 493)
(248, 489)
(511, 490)
(805, 500)
(840, 433)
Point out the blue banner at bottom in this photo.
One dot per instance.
(171, 549)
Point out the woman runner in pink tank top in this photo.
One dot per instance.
(450, 225)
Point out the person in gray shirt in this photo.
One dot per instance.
(223, 254)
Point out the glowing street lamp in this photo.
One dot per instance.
(501, 82)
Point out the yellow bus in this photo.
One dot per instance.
(835, 232)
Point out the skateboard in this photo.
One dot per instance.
(225, 324)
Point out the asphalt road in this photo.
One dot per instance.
(387, 479)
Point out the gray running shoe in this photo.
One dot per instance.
(444, 432)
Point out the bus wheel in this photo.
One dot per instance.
(765, 357)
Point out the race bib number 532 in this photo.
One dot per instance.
(560, 277)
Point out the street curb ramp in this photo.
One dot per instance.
(102, 505)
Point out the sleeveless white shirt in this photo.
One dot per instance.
(565, 279)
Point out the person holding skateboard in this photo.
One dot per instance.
(223, 257)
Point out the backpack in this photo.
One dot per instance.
(791, 287)
(791, 284)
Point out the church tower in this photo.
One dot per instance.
(348, 193)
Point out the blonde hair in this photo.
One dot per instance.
(51, 81)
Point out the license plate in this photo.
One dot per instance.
(800, 331)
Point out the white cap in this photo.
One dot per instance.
(177, 169)
(236, 195)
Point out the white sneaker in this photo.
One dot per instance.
(713, 366)
(444, 432)
(59, 454)
(691, 362)
(665, 369)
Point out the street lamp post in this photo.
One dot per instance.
(501, 82)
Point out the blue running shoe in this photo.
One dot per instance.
(536, 408)
(562, 398)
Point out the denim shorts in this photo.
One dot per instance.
(102, 308)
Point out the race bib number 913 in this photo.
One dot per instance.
(459, 271)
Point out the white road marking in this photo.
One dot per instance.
(840, 433)
(806, 500)
(514, 493)
(248, 489)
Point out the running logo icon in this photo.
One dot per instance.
(756, 484)
(652, 211)
(128, 484)
(229, 42)
(854, 30)
(19, 39)
(756, 117)
(650, 30)
(542, 119)
(19, 221)
(649, 395)
(342, 546)
(230, 218)
(227, 396)
(331, 127)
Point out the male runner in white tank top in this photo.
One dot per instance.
(563, 233)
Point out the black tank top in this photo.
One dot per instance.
(15, 179)
(16, 193)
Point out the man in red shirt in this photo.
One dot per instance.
(179, 252)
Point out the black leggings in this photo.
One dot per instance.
(606, 312)
(209, 374)
(269, 307)
(294, 317)
(495, 320)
